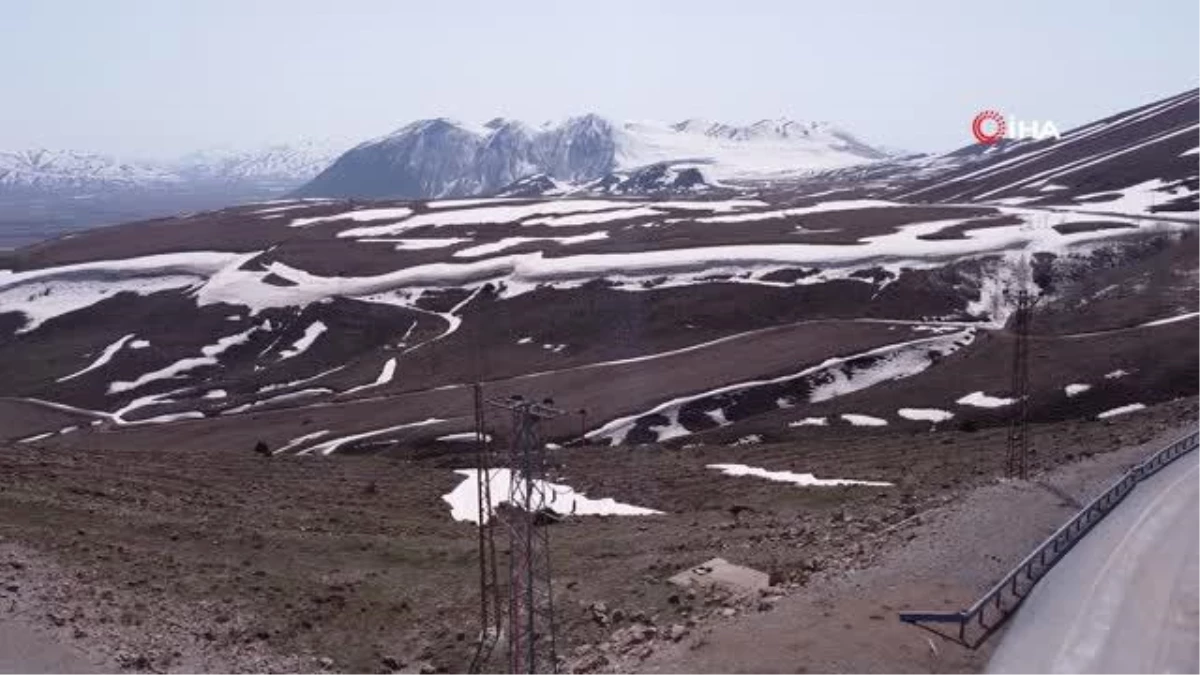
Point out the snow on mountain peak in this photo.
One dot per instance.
(441, 157)
(70, 171)
(282, 162)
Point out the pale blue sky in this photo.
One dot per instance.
(156, 77)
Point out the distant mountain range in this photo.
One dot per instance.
(444, 158)
(73, 173)
(46, 192)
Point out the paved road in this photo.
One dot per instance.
(23, 650)
(1127, 597)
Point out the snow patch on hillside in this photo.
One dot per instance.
(863, 420)
(982, 400)
(105, 357)
(509, 242)
(301, 345)
(801, 479)
(208, 357)
(561, 499)
(360, 216)
(925, 414)
(832, 377)
(331, 446)
(1122, 410)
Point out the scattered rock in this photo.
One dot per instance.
(677, 632)
(325, 662)
(721, 573)
(133, 661)
(392, 664)
(728, 612)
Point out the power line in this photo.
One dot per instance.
(531, 628)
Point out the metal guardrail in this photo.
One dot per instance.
(981, 619)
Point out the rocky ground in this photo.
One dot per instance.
(156, 559)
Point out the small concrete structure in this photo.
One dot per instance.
(721, 572)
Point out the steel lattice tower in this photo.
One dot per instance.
(531, 626)
(1017, 464)
(491, 610)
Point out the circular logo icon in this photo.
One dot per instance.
(988, 127)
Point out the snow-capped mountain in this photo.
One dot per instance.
(57, 171)
(65, 171)
(280, 163)
(46, 192)
(442, 157)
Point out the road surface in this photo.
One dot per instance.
(1126, 598)
(24, 650)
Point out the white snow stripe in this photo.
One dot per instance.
(208, 357)
(802, 479)
(925, 414)
(301, 345)
(863, 420)
(328, 447)
(982, 400)
(1123, 410)
(104, 358)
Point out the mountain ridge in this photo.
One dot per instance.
(444, 157)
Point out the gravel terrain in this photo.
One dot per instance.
(157, 559)
(941, 560)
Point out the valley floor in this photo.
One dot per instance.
(156, 559)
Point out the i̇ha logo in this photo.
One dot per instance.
(990, 126)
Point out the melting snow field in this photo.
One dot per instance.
(300, 440)
(982, 400)
(1170, 319)
(462, 437)
(170, 417)
(305, 341)
(590, 218)
(43, 299)
(893, 362)
(365, 215)
(925, 414)
(1076, 389)
(810, 422)
(864, 420)
(43, 294)
(802, 479)
(1136, 199)
(562, 499)
(509, 242)
(105, 357)
(208, 357)
(1132, 407)
(487, 215)
(418, 244)
(386, 375)
(799, 211)
(330, 446)
(833, 377)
